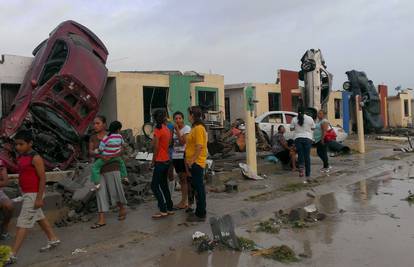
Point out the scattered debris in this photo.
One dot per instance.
(269, 226)
(231, 186)
(246, 244)
(248, 173)
(410, 197)
(391, 158)
(272, 159)
(4, 254)
(223, 231)
(281, 253)
(78, 251)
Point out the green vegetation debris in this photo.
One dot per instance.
(281, 253)
(410, 197)
(246, 244)
(4, 254)
(295, 187)
(268, 226)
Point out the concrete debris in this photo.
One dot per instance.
(231, 186)
(78, 251)
(248, 173)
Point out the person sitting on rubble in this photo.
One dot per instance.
(161, 164)
(6, 205)
(284, 150)
(110, 149)
(32, 182)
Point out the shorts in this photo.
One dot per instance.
(179, 165)
(3, 196)
(29, 215)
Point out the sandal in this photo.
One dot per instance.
(98, 225)
(178, 207)
(121, 217)
(159, 215)
(170, 212)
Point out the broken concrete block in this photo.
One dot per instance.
(231, 186)
(298, 214)
(84, 194)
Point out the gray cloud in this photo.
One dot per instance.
(243, 40)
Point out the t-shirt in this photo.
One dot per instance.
(277, 141)
(28, 178)
(111, 145)
(317, 133)
(178, 148)
(164, 138)
(107, 167)
(197, 136)
(304, 131)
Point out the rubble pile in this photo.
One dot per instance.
(281, 253)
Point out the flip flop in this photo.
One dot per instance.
(121, 217)
(98, 225)
(159, 215)
(170, 212)
(180, 208)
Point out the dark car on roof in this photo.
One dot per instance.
(59, 96)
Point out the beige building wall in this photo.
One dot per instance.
(130, 95)
(236, 98)
(237, 101)
(331, 109)
(396, 114)
(262, 91)
(214, 81)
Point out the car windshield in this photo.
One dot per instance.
(55, 122)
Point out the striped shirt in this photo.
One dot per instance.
(111, 145)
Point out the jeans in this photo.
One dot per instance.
(303, 146)
(197, 180)
(99, 163)
(159, 186)
(322, 150)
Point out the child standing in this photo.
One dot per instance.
(32, 181)
(110, 150)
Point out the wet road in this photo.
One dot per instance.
(368, 224)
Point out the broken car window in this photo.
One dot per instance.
(55, 61)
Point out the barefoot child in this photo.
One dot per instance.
(32, 181)
(109, 149)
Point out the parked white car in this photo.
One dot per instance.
(276, 118)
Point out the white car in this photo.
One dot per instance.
(276, 118)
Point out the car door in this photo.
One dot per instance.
(287, 119)
(271, 120)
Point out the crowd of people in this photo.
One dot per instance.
(295, 154)
(176, 146)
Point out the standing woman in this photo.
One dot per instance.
(303, 126)
(196, 156)
(161, 164)
(111, 191)
(321, 129)
(179, 139)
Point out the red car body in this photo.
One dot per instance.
(59, 96)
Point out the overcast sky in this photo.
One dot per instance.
(246, 41)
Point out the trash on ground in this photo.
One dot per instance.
(78, 251)
(281, 253)
(410, 197)
(248, 173)
(268, 226)
(4, 254)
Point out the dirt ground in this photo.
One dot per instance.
(367, 223)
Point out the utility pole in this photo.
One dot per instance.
(360, 125)
(250, 128)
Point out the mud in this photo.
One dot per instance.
(355, 232)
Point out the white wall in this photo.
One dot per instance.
(13, 68)
(236, 103)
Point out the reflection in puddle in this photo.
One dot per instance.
(355, 233)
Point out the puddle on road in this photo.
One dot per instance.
(374, 230)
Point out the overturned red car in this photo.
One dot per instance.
(59, 96)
